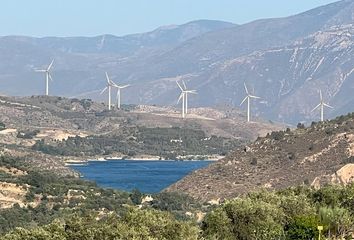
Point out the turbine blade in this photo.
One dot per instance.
(38, 70)
(180, 97)
(179, 86)
(324, 104)
(321, 97)
(246, 88)
(50, 77)
(191, 91)
(184, 85)
(107, 77)
(50, 65)
(104, 90)
(124, 86)
(113, 83)
(251, 96)
(316, 107)
(243, 100)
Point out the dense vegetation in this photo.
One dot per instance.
(133, 224)
(50, 197)
(165, 142)
(289, 214)
(2, 126)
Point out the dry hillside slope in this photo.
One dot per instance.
(316, 155)
(58, 117)
(39, 129)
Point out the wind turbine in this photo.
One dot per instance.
(47, 76)
(321, 105)
(113, 84)
(184, 97)
(108, 87)
(248, 98)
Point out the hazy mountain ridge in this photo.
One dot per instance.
(213, 57)
(160, 38)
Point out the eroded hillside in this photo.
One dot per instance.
(315, 156)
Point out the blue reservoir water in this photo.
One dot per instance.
(147, 176)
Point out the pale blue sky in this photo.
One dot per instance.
(120, 17)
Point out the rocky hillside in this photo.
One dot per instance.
(317, 155)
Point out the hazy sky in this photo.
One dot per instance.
(119, 17)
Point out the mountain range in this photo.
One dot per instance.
(285, 61)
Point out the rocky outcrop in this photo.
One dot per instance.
(344, 176)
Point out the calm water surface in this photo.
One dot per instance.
(147, 176)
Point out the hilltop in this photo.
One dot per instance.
(315, 156)
(53, 130)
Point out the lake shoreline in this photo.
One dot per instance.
(147, 176)
(82, 161)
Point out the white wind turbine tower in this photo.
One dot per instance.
(321, 105)
(119, 88)
(109, 88)
(47, 76)
(184, 97)
(248, 98)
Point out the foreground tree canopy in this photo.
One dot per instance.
(135, 224)
(290, 214)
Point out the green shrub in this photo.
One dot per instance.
(2, 126)
(303, 228)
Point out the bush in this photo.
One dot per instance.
(136, 196)
(303, 228)
(27, 134)
(349, 160)
(2, 126)
(277, 135)
(244, 219)
(291, 155)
